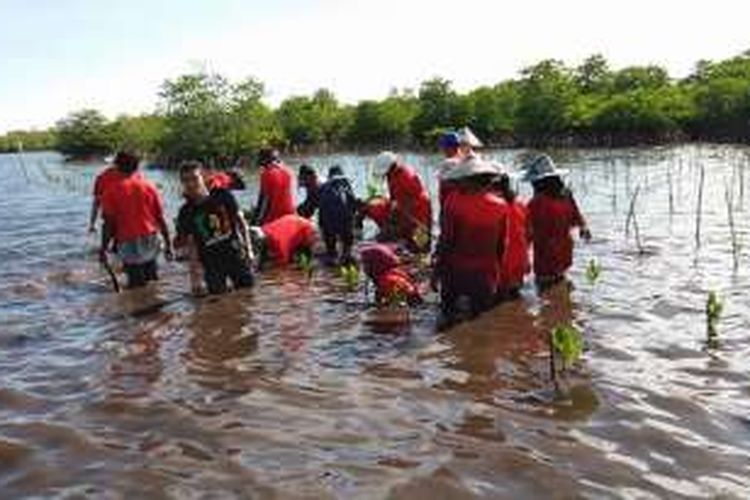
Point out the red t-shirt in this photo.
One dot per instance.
(551, 221)
(473, 233)
(396, 282)
(133, 208)
(288, 234)
(379, 210)
(515, 263)
(406, 188)
(276, 186)
(106, 179)
(219, 180)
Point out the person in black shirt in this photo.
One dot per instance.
(211, 225)
(337, 210)
(307, 179)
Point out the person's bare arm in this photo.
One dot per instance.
(244, 230)
(94, 214)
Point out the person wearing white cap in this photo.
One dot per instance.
(472, 239)
(469, 142)
(553, 213)
(410, 201)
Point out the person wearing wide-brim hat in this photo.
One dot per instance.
(553, 213)
(469, 142)
(472, 239)
(409, 199)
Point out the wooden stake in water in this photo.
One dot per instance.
(733, 232)
(671, 191)
(632, 219)
(699, 207)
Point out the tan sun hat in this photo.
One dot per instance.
(467, 138)
(472, 167)
(541, 167)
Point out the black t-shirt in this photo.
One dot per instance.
(212, 222)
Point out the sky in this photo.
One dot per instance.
(57, 56)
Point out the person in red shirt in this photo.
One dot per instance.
(378, 210)
(275, 198)
(284, 238)
(106, 179)
(472, 240)
(410, 201)
(133, 217)
(515, 264)
(392, 282)
(553, 213)
(449, 144)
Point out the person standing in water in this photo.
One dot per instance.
(104, 180)
(275, 198)
(338, 208)
(515, 263)
(553, 214)
(133, 217)
(211, 225)
(410, 201)
(307, 179)
(471, 246)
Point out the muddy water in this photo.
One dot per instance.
(295, 389)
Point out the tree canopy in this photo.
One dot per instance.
(206, 116)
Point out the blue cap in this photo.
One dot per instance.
(449, 140)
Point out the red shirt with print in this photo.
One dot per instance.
(276, 186)
(473, 233)
(406, 189)
(133, 209)
(551, 219)
(515, 264)
(288, 234)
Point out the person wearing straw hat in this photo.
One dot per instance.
(410, 201)
(469, 142)
(553, 213)
(470, 249)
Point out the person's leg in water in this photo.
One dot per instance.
(239, 272)
(140, 274)
(347, 242)
(329, 238)
(215, 275)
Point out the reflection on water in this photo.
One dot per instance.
(295, 388)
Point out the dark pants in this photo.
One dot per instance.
(474, 286)
(228, 266)
(140, 274)
(332, 236)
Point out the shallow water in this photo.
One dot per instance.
(295, 389)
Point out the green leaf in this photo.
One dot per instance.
(568, 342)
(593, 271)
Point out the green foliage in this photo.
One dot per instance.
(593, 271)
(306, 264)
(83, 133)
(714, 309)
(206, 116)
(350, 274)
(567, 341)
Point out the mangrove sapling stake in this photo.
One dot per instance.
(699, 207)
(732, 231)
(593, 271)
(632, 219)
(671, 191)
(714, 308)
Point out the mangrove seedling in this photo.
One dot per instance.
(350, 274)
(593, 271)
(714, 308)
(306, 264)
(421, 237)
(373, 190)
(567, 342)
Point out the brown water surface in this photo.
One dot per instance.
(294, 389)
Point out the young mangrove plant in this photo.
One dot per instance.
(593, 271)
(631, 218)
(714, 308)
(306, 264)
(373, 190)
(565, 341)
(350, 274)
(699, 207)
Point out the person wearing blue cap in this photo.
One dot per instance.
(450, 144)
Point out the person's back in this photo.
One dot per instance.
(515, 262)
(276, 186)
(551, 220)
(337, 204)
(287, 235)
(134, 207)
(413, 209)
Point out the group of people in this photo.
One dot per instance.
(482, 255)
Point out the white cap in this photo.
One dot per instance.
(467, 138)
(383, 163)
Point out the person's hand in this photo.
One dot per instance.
(585, 234)
(169, 253)
(103, 255)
